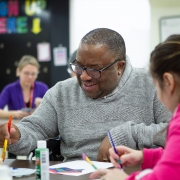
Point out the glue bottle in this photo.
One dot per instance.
(42, 161)
(5, 173)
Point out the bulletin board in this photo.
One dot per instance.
(168, 26)
(33, 27)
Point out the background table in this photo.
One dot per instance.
(15, 121)
(31, 164)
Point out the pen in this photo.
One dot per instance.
(118, 160)
(6, 141)
(84, 156)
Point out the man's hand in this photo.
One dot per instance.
(103, 154)
(13, 136)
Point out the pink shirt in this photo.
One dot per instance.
(162, 164)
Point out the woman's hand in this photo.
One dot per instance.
(19, 114)
(128, 156)
(109, 174)
(37, 101)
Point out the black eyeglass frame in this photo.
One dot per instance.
(100, 71)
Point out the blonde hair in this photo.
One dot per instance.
(27, 59)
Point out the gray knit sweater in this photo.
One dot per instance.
(132, 112)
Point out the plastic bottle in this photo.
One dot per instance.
(5, 173)
(42, 161)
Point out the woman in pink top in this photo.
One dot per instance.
(156, 164)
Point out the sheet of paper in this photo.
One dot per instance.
(77, 168)
(43, 52)
(60, 56)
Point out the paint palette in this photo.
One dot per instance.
(19, 172)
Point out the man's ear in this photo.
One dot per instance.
(121, 66)
(169, 81)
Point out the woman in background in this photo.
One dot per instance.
(24, 94)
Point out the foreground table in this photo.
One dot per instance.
(31, 164)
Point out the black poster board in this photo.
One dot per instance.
(54, 25)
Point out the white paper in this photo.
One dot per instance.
(43, 50)
(81, 164)
(60, 56)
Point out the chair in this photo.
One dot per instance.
(54, 150)
(11, 156)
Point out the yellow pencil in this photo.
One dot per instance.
(4, 149)
(6, 141)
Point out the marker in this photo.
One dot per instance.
(118, 160)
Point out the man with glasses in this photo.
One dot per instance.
(107, 94)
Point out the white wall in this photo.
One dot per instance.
(157, 13)
(131, 18)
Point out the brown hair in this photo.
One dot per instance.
(27, 59)
(166, 58)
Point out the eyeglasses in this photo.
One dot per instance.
(29, 74)
(90, 71)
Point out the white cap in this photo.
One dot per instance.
(41, 144)
(5, 172)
